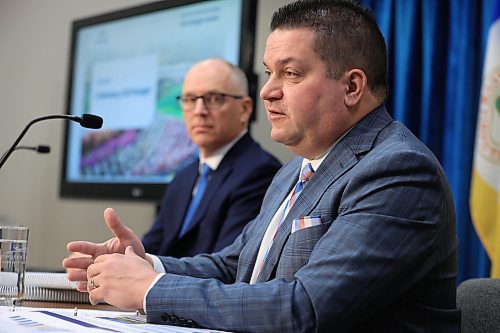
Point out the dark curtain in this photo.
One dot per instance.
(436, 52)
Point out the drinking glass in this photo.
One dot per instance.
(13, 248)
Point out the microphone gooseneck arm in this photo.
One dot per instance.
(87, 120)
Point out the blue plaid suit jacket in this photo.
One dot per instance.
(382, 260)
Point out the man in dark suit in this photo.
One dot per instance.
(216, 109)
(356, 234)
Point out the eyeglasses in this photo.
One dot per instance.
(211, 100)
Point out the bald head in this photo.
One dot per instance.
(223, 70)
(211, 127)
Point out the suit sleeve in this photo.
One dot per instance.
(153, 238)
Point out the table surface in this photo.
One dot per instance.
(65, 305)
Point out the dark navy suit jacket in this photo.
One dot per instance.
(232, 198)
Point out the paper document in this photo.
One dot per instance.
(64, 320)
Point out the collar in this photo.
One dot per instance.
(213, 161)
(316, 162)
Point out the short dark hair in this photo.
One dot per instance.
(347, 36)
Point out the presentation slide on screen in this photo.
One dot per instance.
(129, 72)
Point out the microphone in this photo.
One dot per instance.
(85, 120)
(41, 149)
(88, 120)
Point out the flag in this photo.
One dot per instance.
(485, 183)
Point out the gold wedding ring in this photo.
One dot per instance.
(92, 283)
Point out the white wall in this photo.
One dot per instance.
(34, 48)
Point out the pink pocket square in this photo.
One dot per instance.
(305, 222)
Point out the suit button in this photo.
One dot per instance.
(187, 322)
(165, 317)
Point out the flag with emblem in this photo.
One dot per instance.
(485, 183)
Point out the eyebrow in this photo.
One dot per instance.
(206, 92)
(285, 61)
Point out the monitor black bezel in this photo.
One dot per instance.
(143, 191)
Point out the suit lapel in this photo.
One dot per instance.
(214, 183)
(217, 179)
(284, 186)
(276, 194)
(184, 188)
(339, 160)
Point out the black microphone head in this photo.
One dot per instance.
(91, 121)
(43, 149)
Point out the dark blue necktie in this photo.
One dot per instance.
(201, 185)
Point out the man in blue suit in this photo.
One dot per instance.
(357, 234)
(216, 109)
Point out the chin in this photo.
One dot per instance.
(278, 137)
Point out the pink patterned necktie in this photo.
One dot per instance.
(305, 176)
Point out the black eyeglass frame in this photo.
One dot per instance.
(205, 98)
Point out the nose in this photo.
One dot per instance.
(199, 106)
(271, 90)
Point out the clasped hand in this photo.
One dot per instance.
(116, 271)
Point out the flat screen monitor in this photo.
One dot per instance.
(127, 67)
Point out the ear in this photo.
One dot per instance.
(247, 107)
(356, 84)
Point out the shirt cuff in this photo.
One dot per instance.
(158, 267)
(150, 286)
(157, 264)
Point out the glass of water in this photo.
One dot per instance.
(13, 248)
